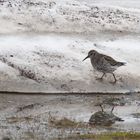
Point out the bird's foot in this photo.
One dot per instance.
(114, 82)
(99, 79)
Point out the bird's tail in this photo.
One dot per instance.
(121, 63)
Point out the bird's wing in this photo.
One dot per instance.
(110, 60)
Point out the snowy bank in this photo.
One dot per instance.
(65, 16)
(43, 43)
(53, 63)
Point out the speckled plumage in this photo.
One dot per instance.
(103, 63)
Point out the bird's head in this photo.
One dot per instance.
(90, 53)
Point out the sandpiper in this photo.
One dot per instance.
(103, 63)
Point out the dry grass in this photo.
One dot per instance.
(105, 136)
(13, 120)
(65, 122)
(62, 123)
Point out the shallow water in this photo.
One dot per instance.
(74, 107)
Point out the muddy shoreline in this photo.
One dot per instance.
(31, 113)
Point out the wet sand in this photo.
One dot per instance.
(14, 108)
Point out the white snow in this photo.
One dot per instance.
(56, 62)
(43, 43)
(66, 16)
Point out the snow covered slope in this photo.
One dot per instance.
(53, 63)
(65, 16)
(43, 43)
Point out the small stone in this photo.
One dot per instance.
(11, 55)
(20, 23)
(6, 138)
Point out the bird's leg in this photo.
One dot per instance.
(101, 107)
(103, 75)
(101, 78)
(112, 109)
(114, 79)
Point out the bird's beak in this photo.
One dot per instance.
(85, 58)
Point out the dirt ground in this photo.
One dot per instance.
(23, 116)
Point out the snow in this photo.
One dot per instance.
(43, 43)
(56, 62)
(135, 4)
(66, 16)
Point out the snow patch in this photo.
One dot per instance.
(65, 16)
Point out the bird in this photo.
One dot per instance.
(104, 63)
